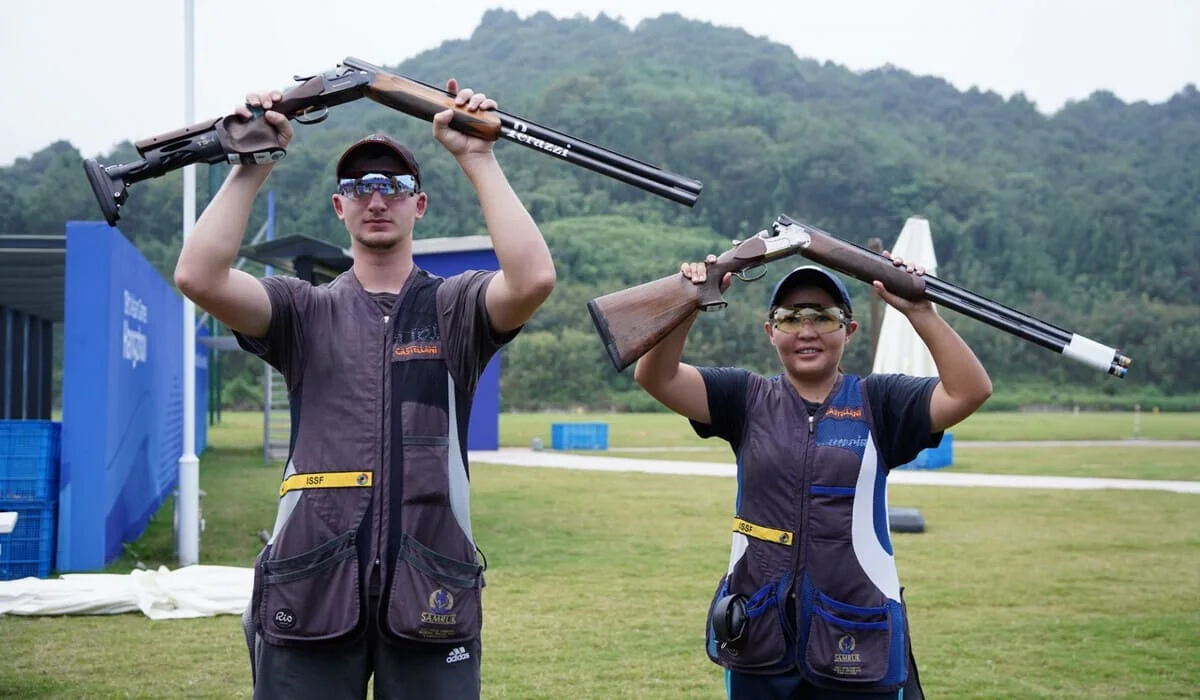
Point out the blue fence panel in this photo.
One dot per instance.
(122, 428)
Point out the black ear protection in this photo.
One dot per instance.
(729, 621)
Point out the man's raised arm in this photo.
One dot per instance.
(204, 272)
(526, 276)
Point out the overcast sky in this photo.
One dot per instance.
(99, 72)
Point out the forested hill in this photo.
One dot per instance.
(1089, 218)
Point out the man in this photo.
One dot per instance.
(372, 568)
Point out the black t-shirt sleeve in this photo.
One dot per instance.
(900, 413)
(726, 387)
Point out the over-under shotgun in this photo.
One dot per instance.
(232, 139)
(631, 321)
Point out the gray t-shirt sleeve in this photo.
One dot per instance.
(900, 414)
(467, 336)
(283, 344)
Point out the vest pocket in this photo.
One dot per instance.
(849, 646)
(312, 596)
(760, 641)
(711, 643)
(433, 598)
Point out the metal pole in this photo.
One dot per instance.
(9, 377)
(188, 546)
(24, 398)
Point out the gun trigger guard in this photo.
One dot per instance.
(318, 115)
(741, 274)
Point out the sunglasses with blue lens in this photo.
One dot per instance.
(388, 186)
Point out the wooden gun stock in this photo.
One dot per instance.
(632, 321)
(422, 101)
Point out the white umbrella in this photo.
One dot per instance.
(900, 348)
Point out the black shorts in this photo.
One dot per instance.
(428, 671)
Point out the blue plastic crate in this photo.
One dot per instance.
(29, 549)
(29, 460)
(934, 457)
(579, 436)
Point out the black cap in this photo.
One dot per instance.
(366, 155)
(812, 276)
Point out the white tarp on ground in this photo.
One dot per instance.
(900, 348)
(191, 591)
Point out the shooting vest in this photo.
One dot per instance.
(375, 493)
(811, 551)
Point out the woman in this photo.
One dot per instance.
(810, 606)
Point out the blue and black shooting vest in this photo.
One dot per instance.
(811, 552)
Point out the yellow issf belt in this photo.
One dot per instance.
(325, 480)
(759, 532)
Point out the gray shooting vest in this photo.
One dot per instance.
(375, 495)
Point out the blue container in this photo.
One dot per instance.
(579, 436)
(29, 460)
(934, 457)
(29, 549)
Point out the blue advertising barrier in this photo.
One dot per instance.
(122, 422)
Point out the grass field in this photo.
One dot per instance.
(598, 582)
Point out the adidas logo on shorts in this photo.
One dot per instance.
(457, 654)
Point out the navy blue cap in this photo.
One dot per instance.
(812, 276)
